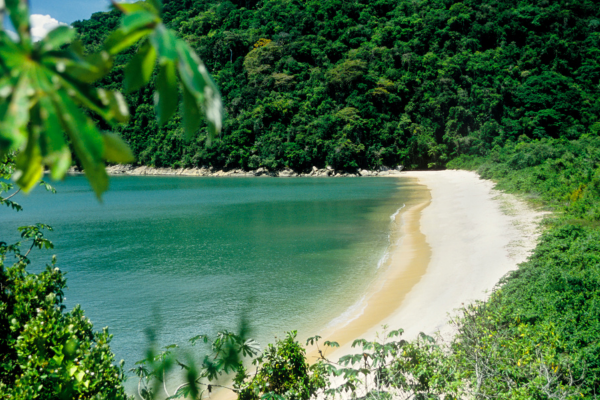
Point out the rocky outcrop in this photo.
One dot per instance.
(328, 171)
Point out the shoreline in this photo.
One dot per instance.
(408, 257)
(128, 169)
(467, 234)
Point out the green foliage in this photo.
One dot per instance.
(537, 336)
(429, 80)
(283, 373)
(46, 352)
(44, 85)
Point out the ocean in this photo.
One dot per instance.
(184, 256)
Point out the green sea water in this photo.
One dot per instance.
(188, 256)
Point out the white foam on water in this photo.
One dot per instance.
(394, 215)
(358, 308)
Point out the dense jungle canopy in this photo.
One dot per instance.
(360, 84)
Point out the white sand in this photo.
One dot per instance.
(475, 234)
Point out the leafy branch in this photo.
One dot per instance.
(45, 85)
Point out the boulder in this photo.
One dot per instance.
(286, 173)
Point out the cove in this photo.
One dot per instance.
(188, 256)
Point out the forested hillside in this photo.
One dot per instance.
(369, 83)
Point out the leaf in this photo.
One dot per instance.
(165, 43)
(312, 340)
(115, 105)
(14, 116)
(57, 37)
(77, 64)
(12, 55)
(272, 396)
(86, 141)
(139, 70)
(166, 96)
(138, 20)
(29, 168)
(108, 104)
(54, 148)
(79, 375)
(156, 4)
(119, 40)
(191, 114)
(130, 8)
(195, 77)
(116, 150)
(19, 16)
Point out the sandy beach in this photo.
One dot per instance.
(457, 239)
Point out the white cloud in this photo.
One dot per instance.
(41, 25)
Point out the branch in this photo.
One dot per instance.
(6, 198)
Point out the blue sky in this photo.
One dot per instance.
(48, 14)
(68, 10)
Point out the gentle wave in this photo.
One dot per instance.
(357, 309)
(394, 215)
(353, 312)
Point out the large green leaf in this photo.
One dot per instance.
(139, 20)
(28, 164)
(166, 96)
(195, 77)
(12, 55)
(130, 8)
(85, 139)
(156, 4)
(139, 70)
(119, 40)
(191, 113)
(165, 43)
(85, 68)
(57, 37)
(19, 16)
(116, 150)
(14, 116)
(55, 151)
(108, 104)
(115, 107)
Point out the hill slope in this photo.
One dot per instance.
(368, 83)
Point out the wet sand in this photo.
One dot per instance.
(459, 237)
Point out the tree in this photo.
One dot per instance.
(43, 85)
(46, 98)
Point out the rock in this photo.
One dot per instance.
(116, 169)
(384, 173)
(286, 173)
(399, 168)
(384, 168)
(329, 168)
(364, 172)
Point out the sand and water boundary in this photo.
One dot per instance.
(456, 237)
(459, 236)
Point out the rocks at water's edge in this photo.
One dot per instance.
(210, 171)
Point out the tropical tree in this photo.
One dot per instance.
(47, 93)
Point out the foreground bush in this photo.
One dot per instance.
(45, 352)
